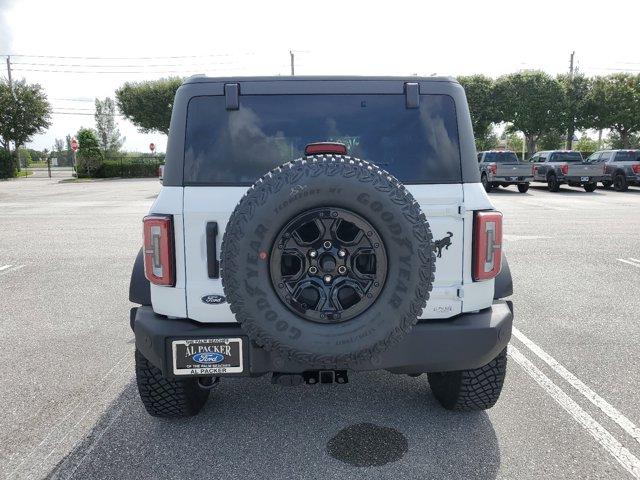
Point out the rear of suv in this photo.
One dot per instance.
(312, 227)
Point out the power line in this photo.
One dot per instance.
(130, 58)
(103, 65)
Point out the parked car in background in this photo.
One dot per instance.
(621, 167)
(503, 168)
(555, 167)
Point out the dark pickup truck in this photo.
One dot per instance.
(556, 167)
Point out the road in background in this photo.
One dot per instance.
(70, 406)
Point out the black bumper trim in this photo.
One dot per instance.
(469, 340)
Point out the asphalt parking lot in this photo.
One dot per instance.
(570, 407)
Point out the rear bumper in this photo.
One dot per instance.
(467, 341)
(509, 179)
(578, 179)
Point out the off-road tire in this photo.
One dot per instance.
(590, 187)
(620, 182)
(552, 183)
(467, 390)
(486, 183)
(166, 398)
(523, 187)
(327, 181)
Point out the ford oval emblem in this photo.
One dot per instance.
(208, 357)
(213, 299)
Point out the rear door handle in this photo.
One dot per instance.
(213, 265)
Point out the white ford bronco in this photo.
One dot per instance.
(313, 227)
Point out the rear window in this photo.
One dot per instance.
(628, 156)
(501, 157)
(418, 145)
(566, 157)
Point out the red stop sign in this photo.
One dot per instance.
(152, 146)
(74, 144)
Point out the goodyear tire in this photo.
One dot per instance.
(167, 398)
(467, 390)
(343, 187)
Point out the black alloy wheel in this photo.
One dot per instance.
(328, 265)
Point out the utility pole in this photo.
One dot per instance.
(12, 93)
(292, 63)
(571, 129)
(9, 72)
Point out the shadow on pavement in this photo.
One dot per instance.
(253, 429)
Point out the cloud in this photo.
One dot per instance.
(5, 29)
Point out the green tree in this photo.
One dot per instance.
(148, 104)
(531, 102)
(575, 89)
(24, 157)
(615, 141)
(614, 102)
(586, 144)
(24, 112)
(479, 91)
(513, 142)
(89, 157)
(108, 133)
(553, 140)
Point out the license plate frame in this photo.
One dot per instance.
(207, 356)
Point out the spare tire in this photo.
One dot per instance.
(327, 260)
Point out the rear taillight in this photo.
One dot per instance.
(636, 168)
(493, 168)
(159, 256)
(533, 169)
(487, 245)
(564, 169)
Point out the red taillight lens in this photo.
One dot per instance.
(159, 257)
(493, 168)
(487, 245)
(534, 169)
(564, 169)
(636, 168)
(325, 147)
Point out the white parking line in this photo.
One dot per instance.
(634, 259)
(628, 262)
(612, 412)
(9, 268)
(597, 431)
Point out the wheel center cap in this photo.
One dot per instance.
(327, 263)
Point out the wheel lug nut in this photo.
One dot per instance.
(342, 269)
(313, 254)
(327, 245)
(327, 278)
(313, 270)
(342, 253)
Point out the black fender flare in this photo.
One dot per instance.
(139, 287)
(503, 286)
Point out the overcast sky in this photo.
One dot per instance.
(329, 38)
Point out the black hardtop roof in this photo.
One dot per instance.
(303, 78)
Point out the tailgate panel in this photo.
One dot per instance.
(513, 170)
(586, 170)
(215, 204)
